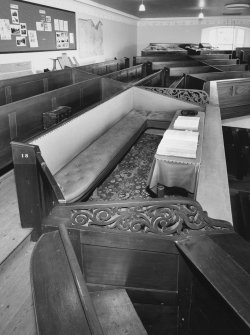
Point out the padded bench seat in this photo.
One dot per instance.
(78, 176)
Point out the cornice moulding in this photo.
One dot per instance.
(106, 8)
(186, 21)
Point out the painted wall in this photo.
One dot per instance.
(119, 36)
(182, 30)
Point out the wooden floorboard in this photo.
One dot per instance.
(16, 306)
(11, 233)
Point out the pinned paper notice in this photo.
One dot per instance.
(5, 31)
(71, 38)
(33, 38)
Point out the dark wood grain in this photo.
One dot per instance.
(130, 268)
(53, 316)
(116, 313)
(220, 281)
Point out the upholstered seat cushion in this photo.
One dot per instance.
(161, 115)
(78, 176)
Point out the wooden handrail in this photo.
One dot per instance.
(82, 289)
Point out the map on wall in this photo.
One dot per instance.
(90, 38)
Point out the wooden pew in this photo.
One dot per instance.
(166, 58)
(211, 56)
(215, 279)
(16, 89)
(119, 252)
(236, 67)
(210, 53)
(106, 66)
(198, 80)
(107, 312)
(161, 65)
(157, 79)
(234, 97)
(131, 75)
(21, 119)
(221, 61)
(179, 71)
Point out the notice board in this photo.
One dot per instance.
(28, 27)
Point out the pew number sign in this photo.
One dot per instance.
(25, 155)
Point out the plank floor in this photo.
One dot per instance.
(16, 308)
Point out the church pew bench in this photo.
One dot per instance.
(234, 97)
(22, 119)
(160, 58)
(221, 61)
(172, 49)
(67, 162)
(16, 89)
(73, 163)
(156, 79)
(158, 65)
(233, 67)
(156, 264)
(198, 80)
(132, 75)
(105, 67)
(212, 56)
(179, 71)
(108, 312)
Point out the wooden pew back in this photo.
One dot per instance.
(212, 56)
(236, 67)
(161, 65)
(106, 67)
(163, 58)
(234, 97)
(16, 89)
(179, 71)
(221, 61)
(23, 119)
(215, 280)
(128, 75)
(197, 80)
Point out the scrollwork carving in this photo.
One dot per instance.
(193, 96)
(165, 218)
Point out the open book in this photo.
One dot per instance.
(187, 122)
(178, 143)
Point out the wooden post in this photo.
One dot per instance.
(27, 184)
(126, 62)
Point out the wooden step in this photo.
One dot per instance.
(116, 313)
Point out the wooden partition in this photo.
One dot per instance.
(212, 56)
(23, 119)
(234, 97)
(179, 71)
(178, 63)
(164, 265)
(236, 67)
(106, 66)
(221, 61)
(16, 89)
(214, 278)
(197, 80)
(159, 58)
(210, 52)
(157, 79)
(131, 75)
